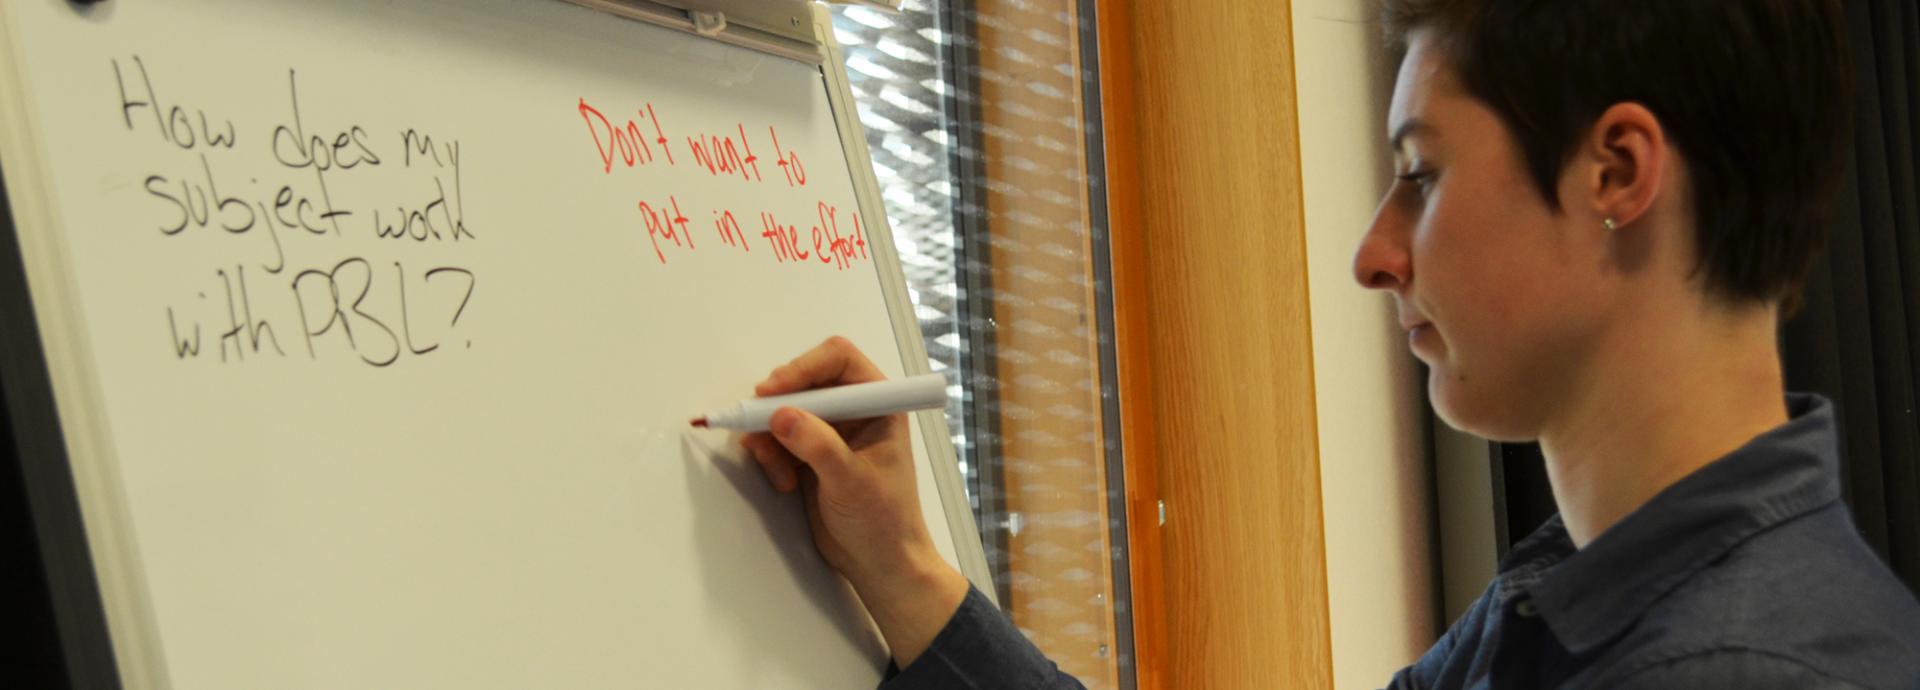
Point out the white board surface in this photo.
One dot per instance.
(314, 456)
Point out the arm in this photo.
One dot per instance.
(863, 504)
(979, 649)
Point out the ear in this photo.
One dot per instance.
(1628, 152)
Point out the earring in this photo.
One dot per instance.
(1609, 224)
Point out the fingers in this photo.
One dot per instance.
(831, 363)
(798, 437)
(814, 442)
(781, 468)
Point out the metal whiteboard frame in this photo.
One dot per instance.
(936, 437)
(775, 27)
(778, 27)
(76, 457)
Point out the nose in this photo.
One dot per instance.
(1382, 261)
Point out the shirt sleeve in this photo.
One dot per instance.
(979, 649)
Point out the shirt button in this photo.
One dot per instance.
(1526, 609)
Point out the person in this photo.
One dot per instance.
(1601, 210)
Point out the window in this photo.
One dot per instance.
(983, 122)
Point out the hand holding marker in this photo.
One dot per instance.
(858, 486)
(836, 404)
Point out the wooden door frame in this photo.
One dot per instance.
(1218, 421)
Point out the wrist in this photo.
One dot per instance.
(887, 566)
(905, 579)
(912, 602)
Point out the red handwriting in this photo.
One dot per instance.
(729, 229)
(625, 143)
(660, 135)
(830, 241)
(784, 238)
(663, 225)
(789, 162)
(720, 155)
(832, 247)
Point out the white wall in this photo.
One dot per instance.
(1373, 477)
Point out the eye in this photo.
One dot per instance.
(1421, 179)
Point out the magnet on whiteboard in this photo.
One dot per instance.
(708, 24)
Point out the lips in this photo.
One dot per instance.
(1415, 326)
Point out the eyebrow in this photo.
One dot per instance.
(1407, 129)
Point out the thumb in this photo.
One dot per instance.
(814, 442)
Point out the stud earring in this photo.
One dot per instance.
(1610, 225)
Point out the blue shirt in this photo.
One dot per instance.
(1748, 573)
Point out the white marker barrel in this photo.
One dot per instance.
(840, 403)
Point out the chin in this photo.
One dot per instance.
(1469, 405)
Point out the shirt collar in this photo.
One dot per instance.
(1589, 596)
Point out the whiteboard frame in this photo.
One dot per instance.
(937, 439)
(133, 658)
(108, 634)
(748, 23)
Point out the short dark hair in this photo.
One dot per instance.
(1755, 94)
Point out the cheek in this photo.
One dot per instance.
(1492, 257)
(1501, 291)
(1500, 379)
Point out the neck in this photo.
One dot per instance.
(1665, 397)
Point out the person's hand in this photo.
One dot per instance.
(862, 500)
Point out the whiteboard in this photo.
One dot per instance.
(374, 328)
